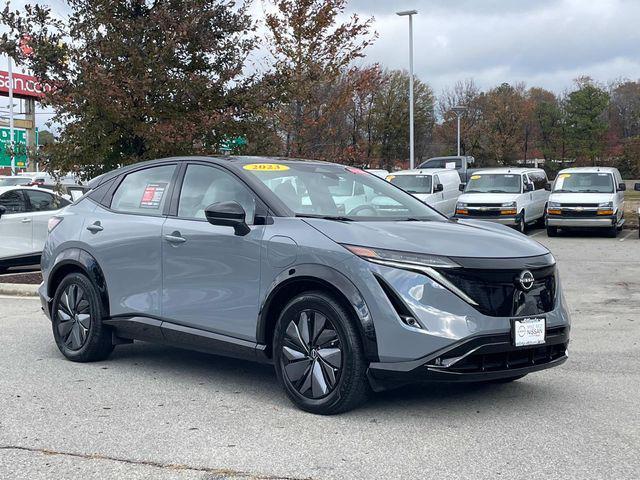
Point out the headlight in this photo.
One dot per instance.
(461, 205)
(605, 208)
(379, 255)
(605, 205)
(554, 205)
(509, 205)
(415, 262)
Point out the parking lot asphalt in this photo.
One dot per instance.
(157, 412)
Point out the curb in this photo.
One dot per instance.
(19, 289)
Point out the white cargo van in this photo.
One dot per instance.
(587, 197)
(438, 187)
(510, 196)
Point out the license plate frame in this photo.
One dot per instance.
(529, 331)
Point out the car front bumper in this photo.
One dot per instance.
(503, 220)
(475, 359)
(599, 222)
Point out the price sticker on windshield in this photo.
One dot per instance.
(476, 177)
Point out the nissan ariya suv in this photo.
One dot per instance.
(268, 259)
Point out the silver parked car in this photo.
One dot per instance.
(342, 281)
(24, 214)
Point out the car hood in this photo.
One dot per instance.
(461, 238)
(496, 198)
(564, 197)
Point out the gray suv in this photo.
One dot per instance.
(344, 282)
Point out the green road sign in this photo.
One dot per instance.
(20, 146)
(228, 144)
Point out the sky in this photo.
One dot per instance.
(546, 43)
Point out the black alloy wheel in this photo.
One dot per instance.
(312, 354)
(76, 317)
(318, 355)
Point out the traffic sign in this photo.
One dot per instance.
(20, 147)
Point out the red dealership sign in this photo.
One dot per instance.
(24, 86)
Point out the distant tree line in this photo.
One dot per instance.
(137, 80)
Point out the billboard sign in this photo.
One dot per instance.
(20, 139)
(24, 86)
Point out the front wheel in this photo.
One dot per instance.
(76, 318)
(318, 355)
(612, 232)
(522, 225)
(552, 231)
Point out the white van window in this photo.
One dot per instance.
(494, 183)
(593, 182)
(412, 183)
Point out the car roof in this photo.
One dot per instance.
(237, 161)
(515, 170)
(24, 187)
(589, 170)
(425, 171)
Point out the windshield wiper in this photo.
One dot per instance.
(325, 217)
(497, 191)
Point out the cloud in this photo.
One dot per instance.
(546, 43)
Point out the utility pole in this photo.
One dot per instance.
(11, 131)
(458, 110)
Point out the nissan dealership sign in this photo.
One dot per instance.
(24, 86)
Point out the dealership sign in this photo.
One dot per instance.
(20, 147)
(25, 86)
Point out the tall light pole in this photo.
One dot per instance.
(11, 129)
(459, 109)
(410, 14)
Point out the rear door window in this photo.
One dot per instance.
(13, 201)
(144, 192)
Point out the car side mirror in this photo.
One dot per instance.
(528, 187)
(438, 188)
(636, 187)
(547, 186)
(228, 214)
(622, 187)
(3, 210)
(462, 186)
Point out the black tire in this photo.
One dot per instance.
(542, 221)
(77, 315)
(612, 232)
(552, 231)
(522, 225)
(508, 379)
(321, 383)
(4, 270)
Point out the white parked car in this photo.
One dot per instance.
(587, 197)
(24, 215)
(437, 187)
(12, 181)
(510, 196)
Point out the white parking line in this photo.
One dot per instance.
(626, 236)
(537, 233)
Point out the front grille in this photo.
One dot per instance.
(493, 362)
(492, 205)
(484, 213)
(585, 205)
(499, 294)
(579, 213)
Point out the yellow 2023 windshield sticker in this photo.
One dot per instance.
(475, 177)
(266, 167)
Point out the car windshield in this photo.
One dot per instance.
(494, 183)
(13, 181)
(338, 192)
(584, 183)
(412, 183)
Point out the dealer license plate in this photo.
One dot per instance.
(528, 331)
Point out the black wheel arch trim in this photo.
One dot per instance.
(336, 283)
(78, 259)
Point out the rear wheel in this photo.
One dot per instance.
(552, 231)
(76, 316)
(318, 355)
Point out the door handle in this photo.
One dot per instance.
(95, 228)
(25, 220)
(175, 238)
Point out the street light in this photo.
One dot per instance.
(410, 14)
(459, 110)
